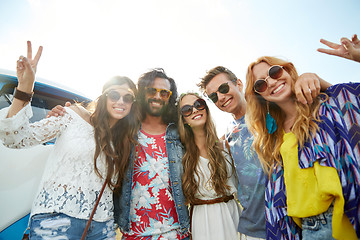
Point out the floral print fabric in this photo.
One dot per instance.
(152, 210)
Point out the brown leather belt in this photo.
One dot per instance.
(212, 201)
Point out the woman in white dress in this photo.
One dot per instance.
(209, 181)
(89, 149)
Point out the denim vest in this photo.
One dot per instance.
(175, 152)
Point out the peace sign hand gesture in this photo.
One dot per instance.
(26, 69)
(349, 49)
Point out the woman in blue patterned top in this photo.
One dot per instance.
(311, 153)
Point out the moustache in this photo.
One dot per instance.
(156, 101)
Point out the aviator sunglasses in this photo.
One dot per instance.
(274, 72)
(223, 88)
(164, 93)
(187, 110)
(114, 96)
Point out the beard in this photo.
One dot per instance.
(154, 111)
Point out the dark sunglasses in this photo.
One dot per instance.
(187, 110)
(223, 88)
(164, 93)
(114, 96)
(274, 72)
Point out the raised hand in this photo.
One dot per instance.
(349, 49)
(26, 69)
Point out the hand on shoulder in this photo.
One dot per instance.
(81, 111)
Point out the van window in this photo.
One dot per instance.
(5, 100)
(38, 105)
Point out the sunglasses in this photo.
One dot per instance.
(164, 93)
(187, 110)
(223, 88)
(114, 96)
(275, 72)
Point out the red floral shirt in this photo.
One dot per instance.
(153, 212)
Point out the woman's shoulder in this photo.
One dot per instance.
(339, 96)
(81, 112)
(338, 89)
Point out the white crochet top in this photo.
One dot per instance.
(69, 183)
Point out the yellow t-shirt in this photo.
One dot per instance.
(311, 191)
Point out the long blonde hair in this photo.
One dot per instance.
(217, 161)
(268, 145)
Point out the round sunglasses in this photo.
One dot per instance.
(275, 72)
(223, 88)
(164, 93)
(114, 96)
(187, 110)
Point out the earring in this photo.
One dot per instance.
(270, 121)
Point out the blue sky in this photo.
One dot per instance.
(88, 41)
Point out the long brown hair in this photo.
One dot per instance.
(115, 142)
(268, 145)
(217, 161)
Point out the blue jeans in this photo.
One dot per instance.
(61, 226)
(318, 227)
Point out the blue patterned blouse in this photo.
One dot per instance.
(336, 144)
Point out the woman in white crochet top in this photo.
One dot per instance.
(89, 149)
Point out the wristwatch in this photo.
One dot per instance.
(26, 97)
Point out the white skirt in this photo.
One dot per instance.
(216, 221)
